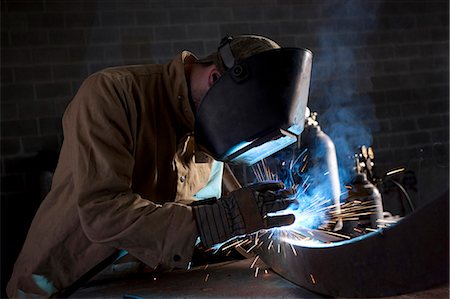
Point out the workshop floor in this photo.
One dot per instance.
(235, 279)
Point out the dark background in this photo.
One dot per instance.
(380, 76)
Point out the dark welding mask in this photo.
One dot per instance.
(257, 107)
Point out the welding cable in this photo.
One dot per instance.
(405, 193)
(68, 291)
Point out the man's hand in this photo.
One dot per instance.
(242, 212)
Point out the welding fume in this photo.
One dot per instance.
(343, 242)
(278, 138)
(273, 123)
(330, 202)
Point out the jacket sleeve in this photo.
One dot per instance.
(99, 131)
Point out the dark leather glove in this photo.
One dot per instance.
(243, 211)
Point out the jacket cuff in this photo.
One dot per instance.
(212, 223)
(179, 243)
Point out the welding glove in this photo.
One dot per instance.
(241, 212)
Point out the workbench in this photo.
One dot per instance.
(227, 279)
(236, 279)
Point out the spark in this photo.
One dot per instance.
(314, 211)
(256, 271)
(245, 242)
(254, 261)
(385, 225)
(306, 180)
(251, 248)
(206, 278)
(189, 265)
(336, 234)
(293, 249)
(304, 158)
(263, 232)
(395, 171)
(266, 170)
(206, 267)
(304, 166)
(257, 172)
(234, 244)
(388, 221)
(312, 278)
(265, 271)
(297, 235)
(270, 245)
(260, 171)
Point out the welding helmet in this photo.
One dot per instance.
(257, 106)
(238, 48)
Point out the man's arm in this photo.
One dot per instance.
(100, 132)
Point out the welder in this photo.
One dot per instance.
(133, 178)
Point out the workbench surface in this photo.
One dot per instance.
(228, 279)
(234, 279)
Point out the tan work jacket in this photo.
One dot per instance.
(126, 164)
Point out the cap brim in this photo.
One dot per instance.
(212, 58)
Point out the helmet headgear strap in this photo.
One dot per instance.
(226, 53)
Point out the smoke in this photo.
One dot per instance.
(339, 87)
(340, 82)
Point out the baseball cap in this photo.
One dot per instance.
(238, 48)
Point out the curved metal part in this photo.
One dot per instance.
(409, 256)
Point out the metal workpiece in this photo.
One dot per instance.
(406, 257)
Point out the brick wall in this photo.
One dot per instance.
(379, 67)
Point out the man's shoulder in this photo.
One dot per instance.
(130, 71)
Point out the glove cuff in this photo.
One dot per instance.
(212, 223)
(245, 199)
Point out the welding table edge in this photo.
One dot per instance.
(381, 263)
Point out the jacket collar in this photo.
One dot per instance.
(177, 86)
(175, 79)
